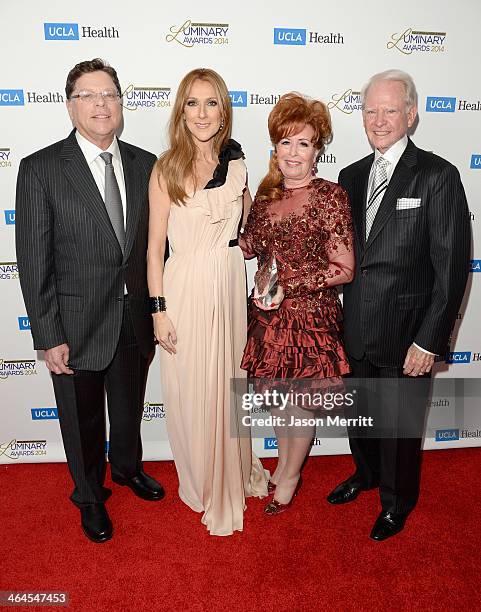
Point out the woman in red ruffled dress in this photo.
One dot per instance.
(300, 225)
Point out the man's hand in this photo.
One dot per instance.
(417, 362)
(56, 359)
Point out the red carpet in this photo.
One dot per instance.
(313, 557)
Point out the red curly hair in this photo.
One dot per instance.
(287, 118)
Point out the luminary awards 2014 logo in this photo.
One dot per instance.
(17, 367)
(191, 33)
(417, 41)
(135, 97)
(347, 102)
(15, 449)
(5, 157)
(153, 411)
(8, 270)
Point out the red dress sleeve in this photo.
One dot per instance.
(252, 240)
(336, 265)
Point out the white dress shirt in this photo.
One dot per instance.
(393, 155)
(97, 168)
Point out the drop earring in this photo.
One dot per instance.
(221, 126)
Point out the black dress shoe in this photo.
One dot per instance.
(346, 492)
(388, 524)
(96, 523)
(143, 486)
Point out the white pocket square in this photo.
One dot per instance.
(407, 203)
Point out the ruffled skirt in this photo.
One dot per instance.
(288, 343)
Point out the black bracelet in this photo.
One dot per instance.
(157, 304)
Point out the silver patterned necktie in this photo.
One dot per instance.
(376, 195)
(113, 201)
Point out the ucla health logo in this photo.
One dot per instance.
(153, 411)
(192, 33)
(438, 104)
(16, 367)
(475, 161)
(11, 97)
(8, 270)
(17, 97)
(465, 105)
(238, 98)
(270, 443)
(23, 448)
(5, 158)
(44, 414)
(290, 36)
(346, 102)
(71, 31)
(135, 97)
(460, 357)
(475, 265)
(417, 41)
(61, 31)
(447, 435)
(9, 217)
(298, 36)
(23, 323)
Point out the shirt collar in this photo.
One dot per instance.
(92, 151)
(393, 154)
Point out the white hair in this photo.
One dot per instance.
(394, 75)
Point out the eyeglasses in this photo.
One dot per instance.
(91, 96)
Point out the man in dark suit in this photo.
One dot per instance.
(81, 222)
(412, 259)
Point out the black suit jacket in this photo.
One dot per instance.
(412, 272)
(72, 271)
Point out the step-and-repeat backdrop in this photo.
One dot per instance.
(262, 49)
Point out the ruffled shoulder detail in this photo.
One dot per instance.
(218, 201)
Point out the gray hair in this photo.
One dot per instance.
(394, 75)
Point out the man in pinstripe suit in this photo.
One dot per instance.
(81, 223)
(412, 260)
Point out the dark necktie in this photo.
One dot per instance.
(113, 201)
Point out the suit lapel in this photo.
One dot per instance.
(80, 177)
(134, 196)
(402, 176)
(359, 206)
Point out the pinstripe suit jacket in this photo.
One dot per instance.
(72, 271)
(412, 271)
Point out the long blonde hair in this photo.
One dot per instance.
(177, 163)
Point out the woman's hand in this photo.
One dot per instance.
(276, 300)
(164, 332)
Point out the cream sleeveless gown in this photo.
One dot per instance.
(205, 291)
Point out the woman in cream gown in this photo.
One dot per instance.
(202, 331)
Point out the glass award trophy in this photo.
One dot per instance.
(265, 282)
